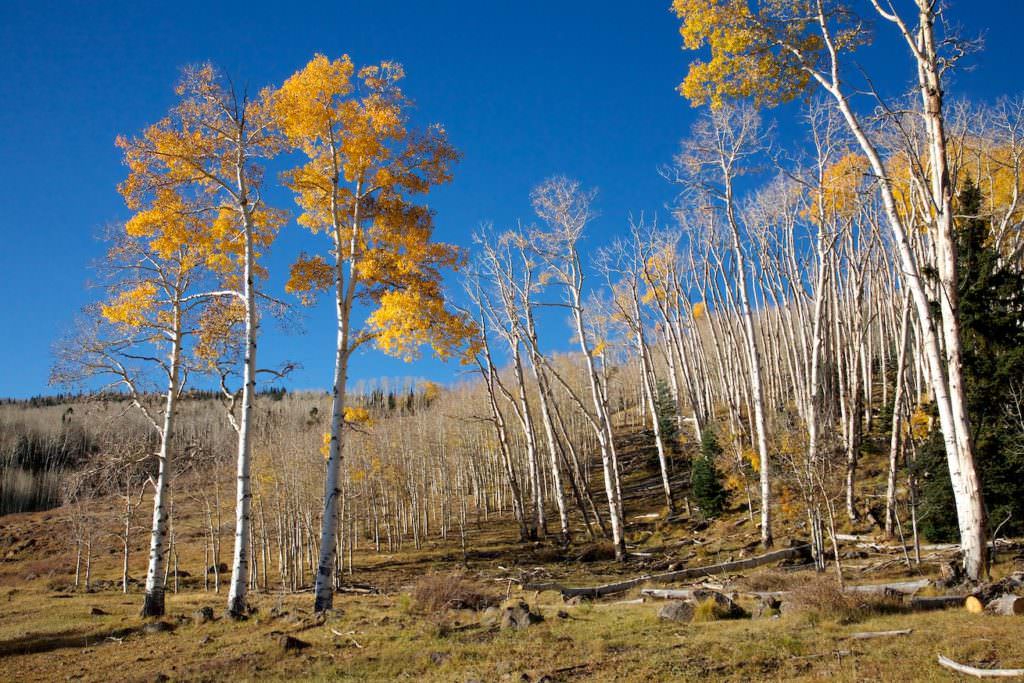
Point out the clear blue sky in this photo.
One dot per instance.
(525, 89)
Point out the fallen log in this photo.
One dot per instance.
(894, 587)
(688, 593)
(868, 635)
(1006, 605)
(680, 575)
(979, 673)
(937, 602)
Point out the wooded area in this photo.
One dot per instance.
(824, 334)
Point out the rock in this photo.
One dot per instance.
(97, 612)
(292, 644)
(490, 617)
(158, 627)
(203, 615)
(768, 607)
(439, 657)
(576, 600)
(516, 614)
(725, 608)
(676, 610)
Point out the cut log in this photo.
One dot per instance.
(868, 635)
(973, 605)
(1006, 605)
(681, 575)
(979, 673)
(937, 602)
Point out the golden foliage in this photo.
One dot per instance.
(358, 415)
(743, 40)
(308, 276)
(841, 188)
(129, 307)
(364, 165)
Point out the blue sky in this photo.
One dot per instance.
(526, 90)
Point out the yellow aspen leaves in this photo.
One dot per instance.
(842, 185)
(699, 309)
(308, 276)
(757, 49)
(357, 415)
(364, 167)
(130, 307)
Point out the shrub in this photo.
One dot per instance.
(820, 598)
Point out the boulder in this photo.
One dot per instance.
(767, 606)
(516, 614)
(724, 608)
(491, 616)
(676, 610)
(203, 615)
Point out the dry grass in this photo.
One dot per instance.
(819, 598)
(454, 590)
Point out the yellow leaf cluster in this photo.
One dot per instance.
(308, 276)
(131, 307)
(745, 60)
(751, 456)
(407, 320)
(842, 185)
(358, 415)
(920, 424)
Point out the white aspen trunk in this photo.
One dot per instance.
(549, 432)
(323, 590)
(756, 385)
(153, 603)
(647, 371)
(237, 606)
(897, 420)
(948, 400)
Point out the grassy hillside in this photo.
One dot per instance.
(50, 631)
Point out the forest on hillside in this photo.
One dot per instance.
(824, 337)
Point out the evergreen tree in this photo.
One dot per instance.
(992, 339)
(706, 481)
(666, 408)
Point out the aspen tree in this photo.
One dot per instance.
(566, 209)
(365, 169)
(773, 51)
(208, 147)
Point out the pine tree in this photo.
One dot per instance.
(666, 407)
(992, 329)
(706, 481)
